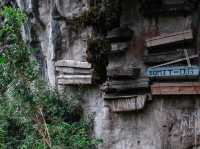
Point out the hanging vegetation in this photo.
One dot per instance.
(97, 54)
(102, 16)
(31, 114)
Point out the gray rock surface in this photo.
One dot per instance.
(171, 122)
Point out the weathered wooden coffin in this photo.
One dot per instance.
(166, 8)
(120, 35)
(68, 70)
(120, 73)
(73, 72)
(72, 64)
(184, 88)
(162, 57)
(181, 72)
(125, 85)
(169, 38)
(128, 103)
(117, 48)
(74, 79)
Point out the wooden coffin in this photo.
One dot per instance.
(127, 103)
(184, 88)
(120, 73)
(74, 79)
(120, 34)
(180, 72)
(72, 64)
(162, 57)
(117, 48)
(68, 70)
(125, 85)
(169, 38)
(167, 8)
(72, 72)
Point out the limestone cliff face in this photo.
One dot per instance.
(161, 122)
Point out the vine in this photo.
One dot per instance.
(103, 16)
(97, 55)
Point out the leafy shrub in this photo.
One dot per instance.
(31, 114)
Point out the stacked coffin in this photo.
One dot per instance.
(126, 103)
(72, 72)
(124, 96)
(169, 38)
(119, 38)
(172, 66)
(169, 47)
(124, 91)
(152, 8)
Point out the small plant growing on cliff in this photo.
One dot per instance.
(102, 17)
(31, 114)
(97, 54)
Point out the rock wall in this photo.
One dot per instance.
(164, 122)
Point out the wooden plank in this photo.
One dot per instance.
(68, 70)
(120, 73)
(169, 38)
(163, 57)
(116, 97)
(134, 103)
(176, 61)
(125, 85)
(73, 64)
(187, 57)
(74, 79)
(181, 72)
(184, 88)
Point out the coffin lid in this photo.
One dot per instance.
(72, 63)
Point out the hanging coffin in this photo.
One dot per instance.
(126, 103)
(155, 8)
(184, 88)
(73, 64)
(73, 72)
(119, 86)
(118, 48)
(120, 73)
(169, 38)
(162, 57)
(120, 35)
(181, 72)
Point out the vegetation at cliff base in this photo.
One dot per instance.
(32, 116)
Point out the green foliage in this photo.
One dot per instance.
(101, 49)
(31, 114)
(2, 60)
(97, 54)
(101, 18)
